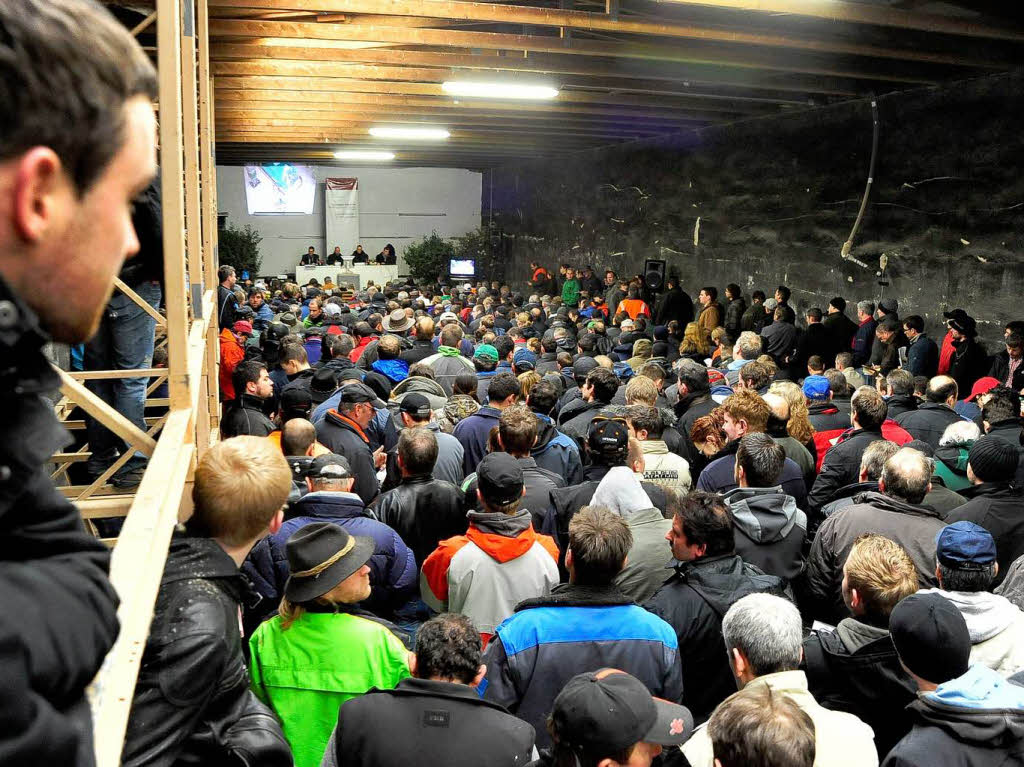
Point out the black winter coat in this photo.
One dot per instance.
(842, 329)
(340, 435)
(193, 704)
(999, 508)
(900, 404)
(929, 421)
(734, 317)
(59, 611)
(444, 722)
(693, 601)
(754, 318)
(246, 417)
(968, 363)
(922, 356)
(869, 683)
(1001, 368)
(826, 416)
(423, 511)
(689, 408)
(841, 466)
(674, 305)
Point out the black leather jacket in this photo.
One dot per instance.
(193, 704)
(57, 610)
(423, 511)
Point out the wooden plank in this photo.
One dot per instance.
(228, 28)
(565, 19)
(141, 302)
(104, 375)
(106, 506)
(287, 50)
(143, 25)
(106, 415)
(79, 425)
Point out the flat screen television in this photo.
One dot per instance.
(279, 187)
(462, 267)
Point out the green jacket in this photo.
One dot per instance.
(571, 293)
(322, 660)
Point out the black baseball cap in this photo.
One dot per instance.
(609, 711)
(608, 437)
(500, 478)
(415, 404)
(296, 402)
(330, 466)
(354, 393)
(931, 637)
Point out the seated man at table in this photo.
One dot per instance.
(359, 255)
(310, 258)
(335, 257)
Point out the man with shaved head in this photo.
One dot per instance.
(895, 511)
(928, 422)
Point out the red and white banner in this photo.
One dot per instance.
(341, 214)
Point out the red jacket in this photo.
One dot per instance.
(824, 440)
(946, 354)
(231, 353)
(361, 347)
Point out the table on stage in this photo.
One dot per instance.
(359, 274)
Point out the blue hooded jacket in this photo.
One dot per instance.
(393, 576)
(395, 370)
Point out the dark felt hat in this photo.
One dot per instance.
(320, 556)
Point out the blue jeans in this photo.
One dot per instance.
(124, 341)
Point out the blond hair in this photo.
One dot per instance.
(527, 381)
(799, 425)
(240, 484)
(747, 405)
(641, 390)
(882, 572)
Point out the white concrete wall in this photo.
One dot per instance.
(396, 205)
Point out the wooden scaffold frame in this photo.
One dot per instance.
(176, 439)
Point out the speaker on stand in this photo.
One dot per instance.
(654, 278)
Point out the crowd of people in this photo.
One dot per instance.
(574, 523)
(806, 538)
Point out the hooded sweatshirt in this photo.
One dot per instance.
(649, 556)
(484, 574)
(770, 529)
(996, 627)
(975, 720)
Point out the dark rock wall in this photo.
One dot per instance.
(770, 201)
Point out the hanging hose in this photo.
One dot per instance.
(848, 245)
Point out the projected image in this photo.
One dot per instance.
(279, 187)
(461, 267)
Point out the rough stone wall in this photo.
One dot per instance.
(770, 201)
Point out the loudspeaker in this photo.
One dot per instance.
(654, 273)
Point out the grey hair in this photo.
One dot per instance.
(875, 456)
(866, 307)
(767, 630)
(961, 433)
(749, 345)
(907, 474)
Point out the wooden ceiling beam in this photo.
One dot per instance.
(326, 33)
(552, 65)
(864, 13)
(587, 21)
(498, 127)
(340, 85)
(332, 100)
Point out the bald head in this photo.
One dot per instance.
(297, 437)
(907, 476)
(942, 390)
(778, 404)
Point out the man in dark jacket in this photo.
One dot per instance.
(225, 296)
(753, 318)
(899, 397)
(1000, 417)
(76, 148)
(815, 341)
(330, 499)
(929, 421)
(854, 668)
(896, 512)
(435, 712)
(554, 450)
(964, 716)
(734, 310)
(579, 627)
(769, 529)
(423, 511)
(474, 431)
(676, 305)
(779, 338)
(423, 343)
(694, 401)
(709, 577)
(922, 353)
(192, 703)
(969, 361)
(414, 411)
(343, 431)
(840, 327)
(597, 393)
(841, 463)
(253, 388)
(864, 337)
(823, 414)
(993, 500)
(1008, 365)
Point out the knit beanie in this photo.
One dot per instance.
(993, 459)
(931, 637)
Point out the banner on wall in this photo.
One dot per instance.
(341, 214)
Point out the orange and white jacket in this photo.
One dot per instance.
(484, 574)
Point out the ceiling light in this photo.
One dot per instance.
(409, 132)
(354, 154)
(499, 90)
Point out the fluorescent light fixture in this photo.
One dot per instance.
(426, 133)
(499, 90)
(358, 154)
